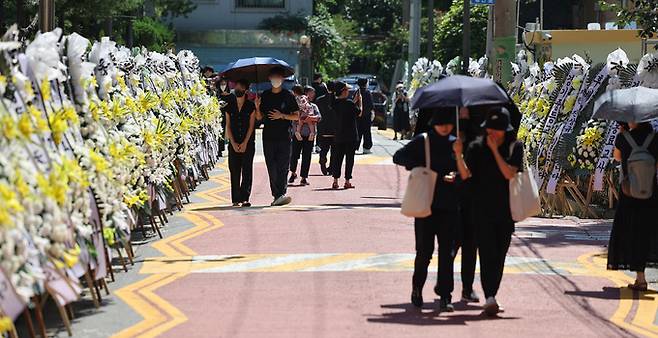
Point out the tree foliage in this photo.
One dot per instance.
(93, 18)
(328, 45)
(449, 32)
(643, 12)
(152, 34)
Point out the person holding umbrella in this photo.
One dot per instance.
(633, 244)
(443, 223)
(277, 107)
(633, 241)
(490, 162)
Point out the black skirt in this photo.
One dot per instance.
(401, 120)
(633, 243)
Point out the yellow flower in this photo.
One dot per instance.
(45, 90)
(57, 127)
(569, 103)
(9, 128)
(6, 324)
(591, 137)
(25, 125)
(8, 196)
(40, 123)
(21, 187)
(71, 256)
(118, 109)
(522, 134)
(99, 162)
(147, 101)
(70, 114)
(108, 233)
(122, 83)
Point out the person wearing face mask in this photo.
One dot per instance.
(277, 107)
(240, 124)
(491, 161)
(442, 225)
(224, 94)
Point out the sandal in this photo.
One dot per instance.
(638, 286)
(349, 186)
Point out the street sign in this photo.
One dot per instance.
(483, 2)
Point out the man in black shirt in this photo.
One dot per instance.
(346, 136)
(277, 107)
(326, 126)
(365, 121)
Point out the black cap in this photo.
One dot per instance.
(498, 119)
(442, 118)
(362, 82)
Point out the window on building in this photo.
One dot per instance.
(260, 4)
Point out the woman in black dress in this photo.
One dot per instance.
(400, 112)
(492, 161)
(633, 245)
(442, 226)
(240, 122)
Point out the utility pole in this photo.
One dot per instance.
(414, 31)
(46, 15)
(430, 29)
(504, 46)
(466, 40)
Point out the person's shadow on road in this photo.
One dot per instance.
(429, 315)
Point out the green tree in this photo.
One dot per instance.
(152, 34)
(328, 45)
(449, 32)
(644, 12)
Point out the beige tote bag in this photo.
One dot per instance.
(524, 200)
(419, 195)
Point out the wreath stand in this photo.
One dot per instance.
(562, 202)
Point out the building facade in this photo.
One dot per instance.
(221, 31)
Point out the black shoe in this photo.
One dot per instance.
(292, 178)
(437, 290)
(246, 204)
(323, 169)
(304, 182)
(417, 297)
(470, 297)
(445, 305)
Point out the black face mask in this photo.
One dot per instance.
(239, 93)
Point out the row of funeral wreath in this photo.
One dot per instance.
(556, 101)
(88, 135)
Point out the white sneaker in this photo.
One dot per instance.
(283, 200)
(367, 151)
(491, 307)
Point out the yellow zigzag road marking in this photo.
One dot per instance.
(643, 323)
(158, 315)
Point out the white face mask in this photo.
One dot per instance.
(222, 87)
(276, 83)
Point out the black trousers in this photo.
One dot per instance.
(364, 126)
(303, 148)
(325, 143)
(441, 225)
(277, 160)
(241, 166)
(467, 241)
(494, 239)
(340, 151)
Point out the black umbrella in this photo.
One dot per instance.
(464, 91)
(459, 91)
(635, 105)
(256, 69)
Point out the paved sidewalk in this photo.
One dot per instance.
(339, 263)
